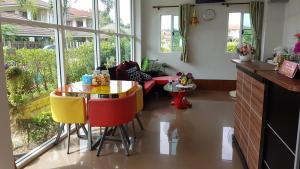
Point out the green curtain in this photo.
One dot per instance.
(257, 15)
(184, 21)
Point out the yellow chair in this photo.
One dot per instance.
(139, 104)
(68, 110)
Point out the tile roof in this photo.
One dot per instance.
(14, 3)
(25, 30)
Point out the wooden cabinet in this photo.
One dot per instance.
(248, 117)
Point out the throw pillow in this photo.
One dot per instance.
(145, 76)
(134, 74)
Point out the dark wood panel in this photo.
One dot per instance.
(276, 154)
(221, 85)
(283, 113)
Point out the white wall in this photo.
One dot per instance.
(207, 40)
(6, 154)
(273, 27)
(291, 23)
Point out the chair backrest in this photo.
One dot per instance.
(112, 112)
(139, 99)
(67, 109)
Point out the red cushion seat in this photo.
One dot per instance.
(148, 85)
(162, 80)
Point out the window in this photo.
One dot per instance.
(107, 15)
(170, 38)
(69, 23)
(115, 18)
(32, 56)
(34, 67)
(239, 31)
(79, 23)
(125, 16)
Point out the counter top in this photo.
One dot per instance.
(253, 66)
(281, 80)
(265, 70)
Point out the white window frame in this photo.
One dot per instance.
(172, 31)
(241, 29)
(59, 28)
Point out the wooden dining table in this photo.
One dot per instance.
(116, 89)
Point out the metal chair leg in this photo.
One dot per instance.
(59, 132)
(114, 131)
(84, 129)
(102, 141)
(133, 129)
(125, 134)
(123, 140)
(68, 143)
(139, 121)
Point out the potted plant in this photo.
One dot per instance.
(246, 52)
(185, 79)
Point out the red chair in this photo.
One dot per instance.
(112, 113)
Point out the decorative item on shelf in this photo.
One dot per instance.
(194, 20)
(289, 69)
(185, 79)
(246, 52)
(278, 60)
(297, 45)
(87, 79)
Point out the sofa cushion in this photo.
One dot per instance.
(148, 85)
(134, 74)
(162, 80)
(121, 72)
(145, 76)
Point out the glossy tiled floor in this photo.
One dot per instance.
(197, 138)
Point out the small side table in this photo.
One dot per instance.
(179, 95)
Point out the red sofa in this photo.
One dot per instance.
(120, 73)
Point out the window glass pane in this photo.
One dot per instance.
(77, 13)
(108, 50)
(247, 30)
(177, 41)
(41, 10)
(30, 68)
(125, 49)
(79, 55)
(125, 16)
(234, 25)
(107, 15)
(166, 34)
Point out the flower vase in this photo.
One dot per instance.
(245, 58)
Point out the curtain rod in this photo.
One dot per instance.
(228, 3)
(172, 6)
(175, 6)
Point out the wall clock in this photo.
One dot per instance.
(209, 14)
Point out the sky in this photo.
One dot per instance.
(87, 5)
(234, 19)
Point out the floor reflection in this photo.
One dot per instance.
(227, 143)
(168, 139)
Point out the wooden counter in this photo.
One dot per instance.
(253, 66)
(267, 117)
(281, 80)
